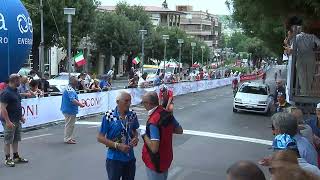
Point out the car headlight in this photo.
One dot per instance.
(237, 100)
(262, 102)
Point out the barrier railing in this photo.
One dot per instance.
(45, 110)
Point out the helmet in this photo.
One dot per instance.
(163, 88)
(284, 142)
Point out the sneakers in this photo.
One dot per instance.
(20, 160)
(9, 163)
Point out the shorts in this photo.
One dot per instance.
(11, 135)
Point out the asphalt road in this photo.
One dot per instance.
(204, 152)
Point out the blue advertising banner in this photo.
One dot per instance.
(15, 37)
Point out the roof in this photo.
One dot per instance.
(154, 9)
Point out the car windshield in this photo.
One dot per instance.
(169, 69)
(150, 71)
(253, 90)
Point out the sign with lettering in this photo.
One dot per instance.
(15, 37)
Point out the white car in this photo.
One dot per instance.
(253, 97)
(60, 82)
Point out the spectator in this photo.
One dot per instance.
(33, 75)
(285, 166)
(44, 84)
(305, 129)
(81, 83)
(118, 132)
(157, 80)
(11, 112)
(244, 170)
(315, 125)
(279, 89)
(143, 81)
(282, 105)
(131, 73)
(94, 87)
(133, 83)
(34, 90)
(4, 85)
(157, 152)
(285, 123)
(105, 83)
(69, 108)
(87, 80)
(286, 143)
(23, 89)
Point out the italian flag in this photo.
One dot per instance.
(79, 59)
(136, 60)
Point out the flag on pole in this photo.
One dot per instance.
(79, 59)
(136, 60)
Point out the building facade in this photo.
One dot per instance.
(202, 25)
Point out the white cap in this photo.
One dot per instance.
(318, 106)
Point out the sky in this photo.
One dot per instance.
(217, 7)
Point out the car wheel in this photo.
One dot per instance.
(234, 110)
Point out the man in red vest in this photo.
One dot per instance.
(157, 153)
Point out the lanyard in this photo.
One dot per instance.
(126, 127)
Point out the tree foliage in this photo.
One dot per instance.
(266, 19)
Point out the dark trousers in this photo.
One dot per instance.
(117, 169)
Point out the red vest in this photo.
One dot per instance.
(161, 161)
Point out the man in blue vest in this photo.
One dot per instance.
(118, 132)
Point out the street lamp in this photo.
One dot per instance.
(180, 41)
(202, 48)
(142, 32)
(69, 12)
(165, 38)
(193, 45)
(41, 49)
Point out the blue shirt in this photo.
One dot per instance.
(67, 106)
(103, 84)
(306, 150)
(155, 133)
(119, 131)
(314, 126)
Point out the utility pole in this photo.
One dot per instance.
(143, 32)
(180, 42)
(69, 12)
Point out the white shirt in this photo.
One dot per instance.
(142, 83)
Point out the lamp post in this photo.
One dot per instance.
(193, 45)
(202, 48)
(180, 41)
(165, 38)
(69, 12)
(143, 32)
(41, 48)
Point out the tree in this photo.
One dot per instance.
(266, 19)
(55, 25)
(116, 31)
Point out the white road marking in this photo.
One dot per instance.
(204, 101)
(204, 134)
(174, 171)
(193, 104)
(180, 108)
(95, 126)
(32, 137)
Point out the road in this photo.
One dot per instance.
(214, 138)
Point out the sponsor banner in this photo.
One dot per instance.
(44, 110)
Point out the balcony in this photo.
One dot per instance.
(196, 21)
(198, 32)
